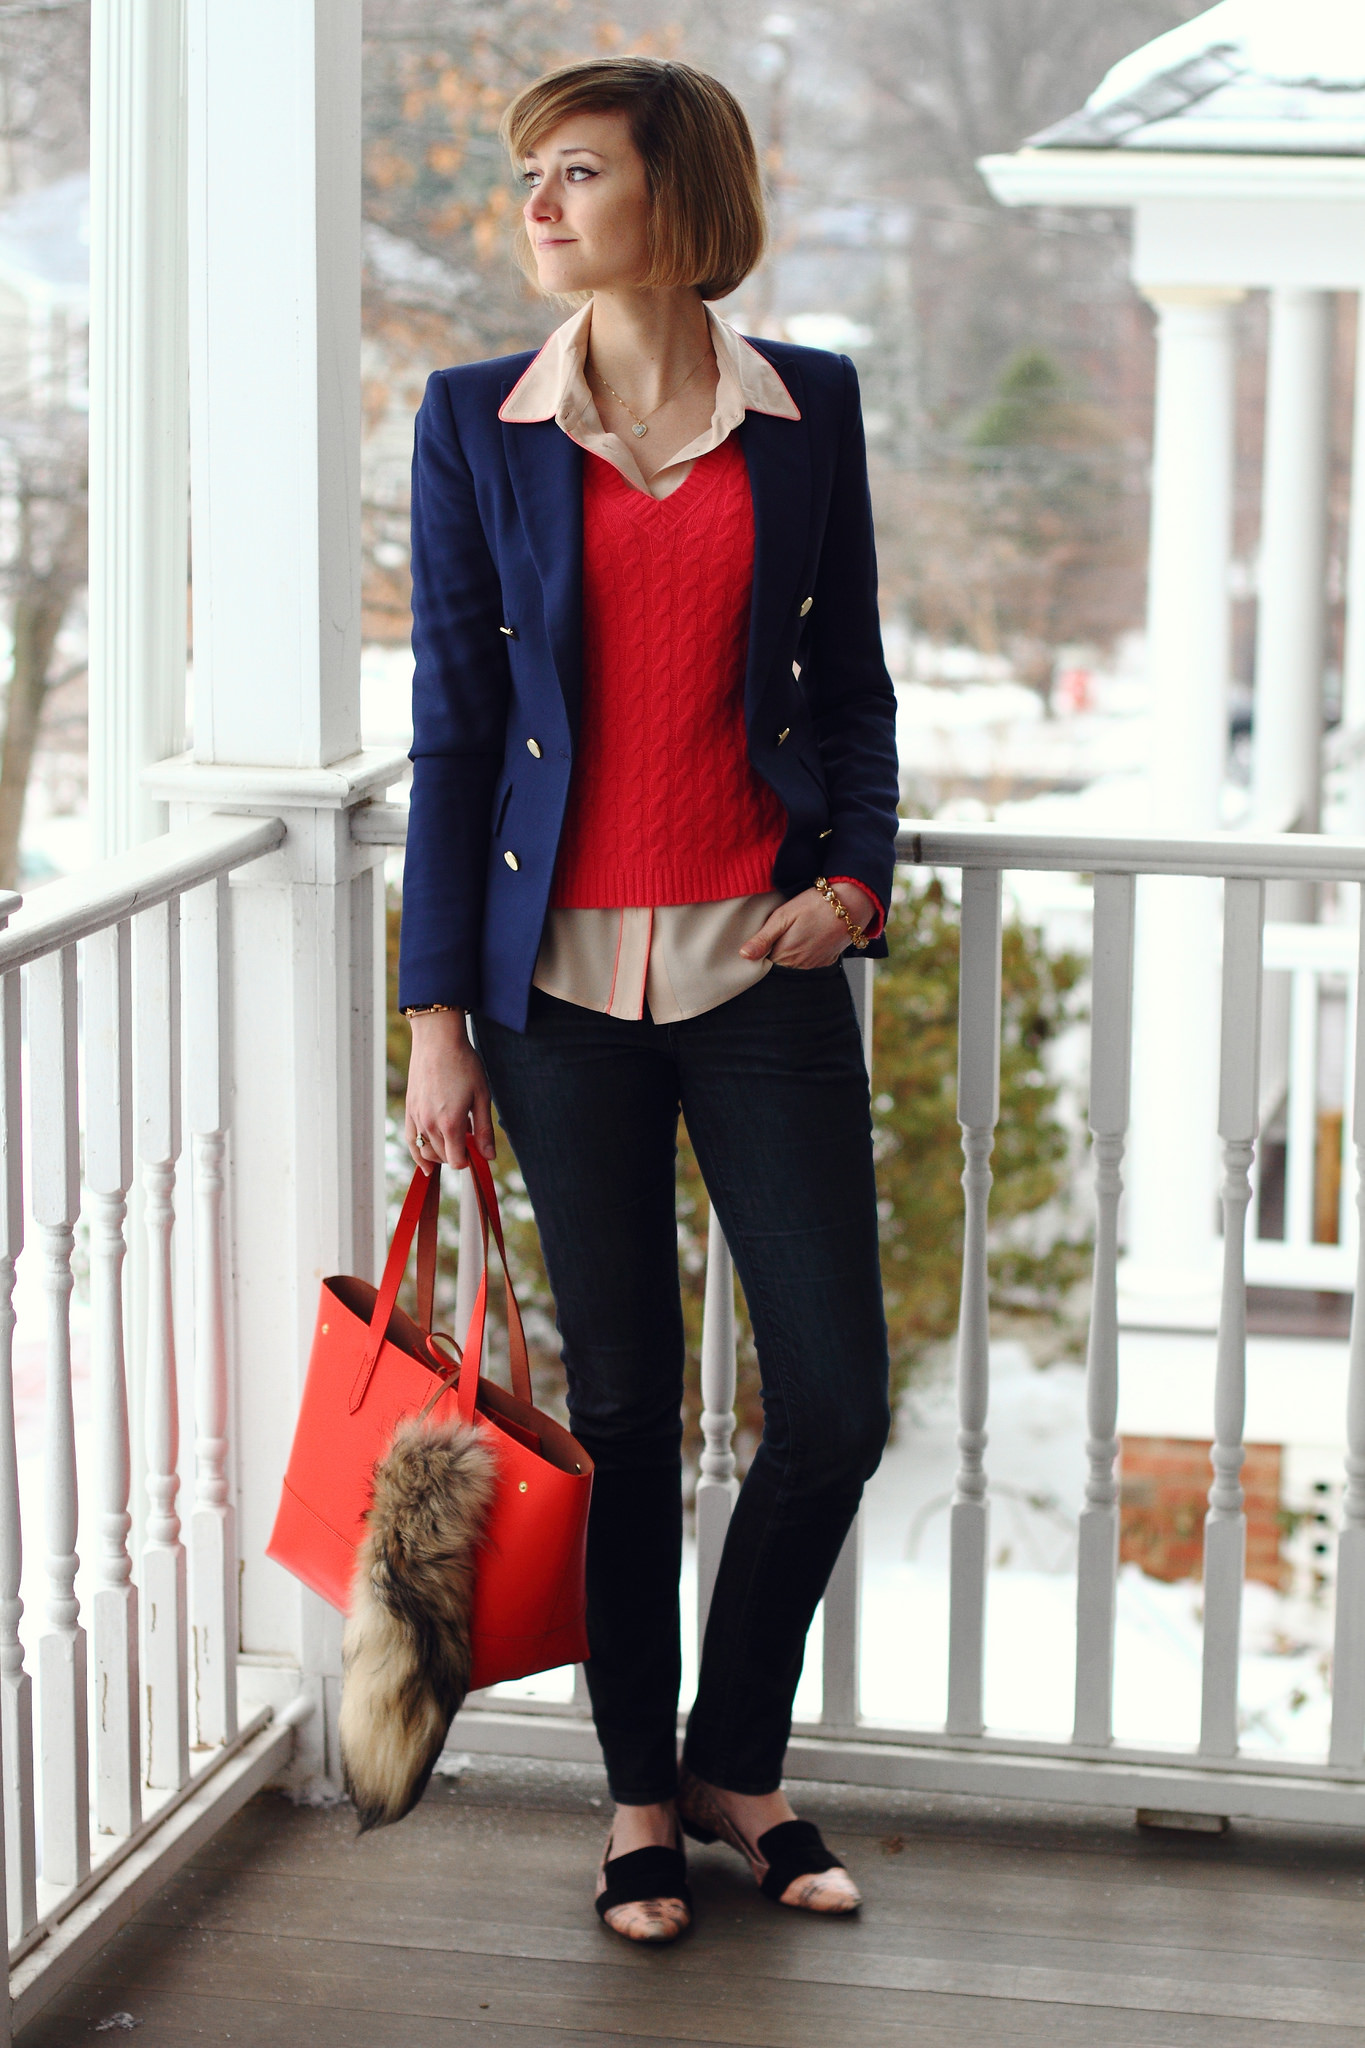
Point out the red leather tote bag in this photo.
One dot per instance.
(371, 1367)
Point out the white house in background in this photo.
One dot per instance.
(1238, 142)
(45, 297)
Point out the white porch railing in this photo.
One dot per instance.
(1217, 1776)
(119, 1758)
(1314, 1245)
(123, 1749)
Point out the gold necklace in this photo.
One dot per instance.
(641, 420)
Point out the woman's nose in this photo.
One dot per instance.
(540, 205)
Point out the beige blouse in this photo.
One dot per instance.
(680, 958)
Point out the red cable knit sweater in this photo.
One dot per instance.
(664, 806)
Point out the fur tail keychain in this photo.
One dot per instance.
(406, 1653)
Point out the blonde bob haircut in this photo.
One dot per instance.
(706, 224)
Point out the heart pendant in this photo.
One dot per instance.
(639, 428)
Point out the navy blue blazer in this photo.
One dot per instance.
(497, 562)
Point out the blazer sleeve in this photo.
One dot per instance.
(853, 701)
(460, 691)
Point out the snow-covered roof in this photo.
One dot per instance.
(45, 241)
(1258, 77)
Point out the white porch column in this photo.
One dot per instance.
(139, 423)
(1353, 665)
(275, 326)
(1293, 565)
(1188, 619)
(274, 109)
(1170, 1273)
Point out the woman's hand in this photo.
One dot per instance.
(448, 1094)
(807, 931)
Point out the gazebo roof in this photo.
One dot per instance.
(1251, 77)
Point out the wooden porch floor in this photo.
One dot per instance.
(984, 1924)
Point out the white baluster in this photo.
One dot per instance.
(1346, 1200)
(717, 1486)
(471, 1266)
(1111, 1040)
(1348, 1658)
(213, 1528)
(839, 1688)
(1238, 1121)
(861, 976)
(108, 992)
(62, 1701)
(164, 1647)
(1302, 1121)
(16, 1687)
(978, 1109)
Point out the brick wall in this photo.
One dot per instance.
(1164, 1495)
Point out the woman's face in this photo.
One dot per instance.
(587, 205)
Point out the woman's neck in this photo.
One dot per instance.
(644, 343)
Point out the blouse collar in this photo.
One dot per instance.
(555, 387)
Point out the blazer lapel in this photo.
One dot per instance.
(546, 469)
(778, 454)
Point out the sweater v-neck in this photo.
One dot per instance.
(622, 488)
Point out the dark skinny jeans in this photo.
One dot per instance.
(774, 1092)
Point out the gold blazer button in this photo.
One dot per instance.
(805, 607)
(510, 631)
(533, 748)
(513, 863)
(783, 734)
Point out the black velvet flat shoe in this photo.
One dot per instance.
(790, 1862)
(645, 1893)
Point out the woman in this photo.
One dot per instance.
(653, 805)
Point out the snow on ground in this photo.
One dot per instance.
(55, 842)
(964, 717)
(1035, 1459)
(386, 696)
(998, 732)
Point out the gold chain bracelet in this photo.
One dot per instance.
(840, 909)
(430, 1009)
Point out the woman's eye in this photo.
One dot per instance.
(579, 172)
(530, 179)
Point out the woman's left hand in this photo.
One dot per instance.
(807, 931)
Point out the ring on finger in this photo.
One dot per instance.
(422, 1141)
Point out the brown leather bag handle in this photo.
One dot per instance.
(424, 1192)
(419, 1215)
(487, 1197)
